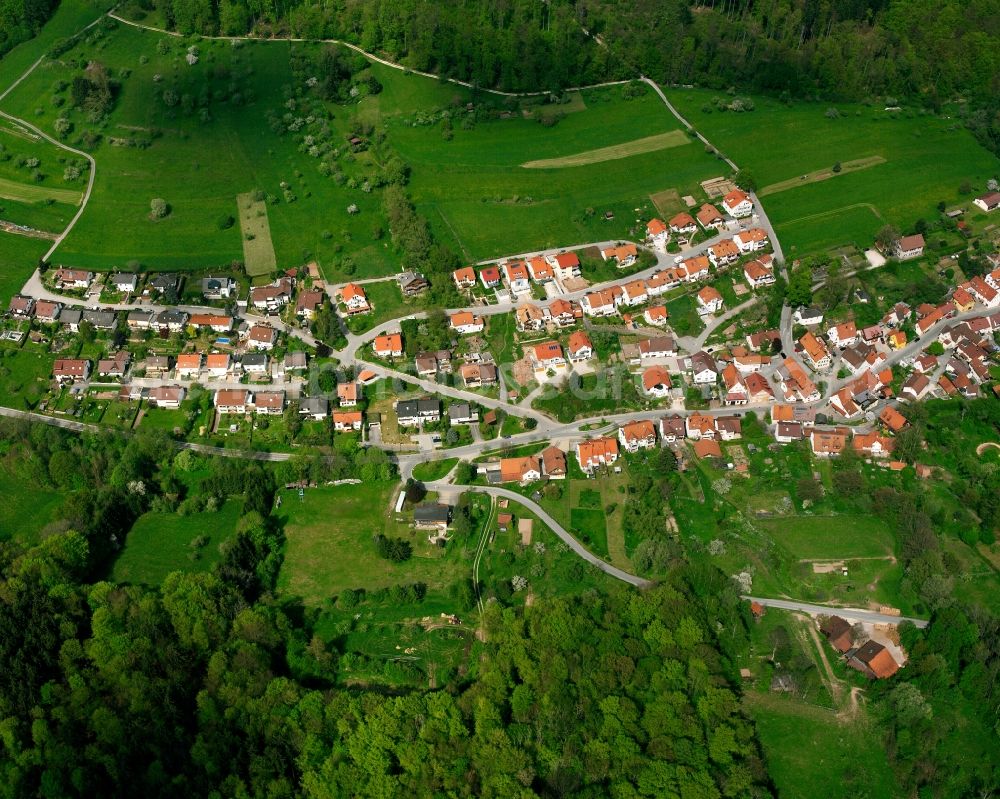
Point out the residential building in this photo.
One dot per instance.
(694, 269)
(255, 363)
(843, 335)
(273, 297)
(634, 293)
(624, 255)
(218, 288)
(465, 278)
(657, 233)
(490, 277)
(114, 367)
(710, 218)
(672, 428)
(388, 346)
(465, 322)
(219, 323)
(140, 319)
(758, 275)
(518, 279)
(656, 315)
(873, 660)
(683, 223)
(72, 278)
(579, 347)
(124, 282)
(315, 408)
(269, 403)
(709, 301)
(909, 247)
(261, 337)
(47, 311)
(787, 432)
(413, 413)
(529, 317)
(656, 382)
(295, 361)
(988, 202)
(815, 351)
(807, 317)
(566, 264)
(412, 283)
(169, 397)
(233, 400)
(347, 394)
(707, 448)
(737, 204)
(703, 369)
(347, 421)
(657, 347)
(21, 306)
(728, 428)
(766, 340)
(217, 364)
(915, 386)
(541, 271)
(462, 413)
(603, 302)
(700, 425)
(723, 254)
(637, 435)
(828, 442)
(751, 240)
(520, 470)
(188, 364)
(67, 370)
(554, 463)
(172, 319)
(432, 516)
(564, 313)
(547, 355)
(596, 452)
(308, 303)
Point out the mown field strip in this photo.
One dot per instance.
(823, 174)
(649, 144)
(258, 250)
(12, 190)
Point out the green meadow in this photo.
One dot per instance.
(478, 194)
(18, 258)
(926, 159)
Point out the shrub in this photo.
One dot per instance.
(158, 208)
(225, 221)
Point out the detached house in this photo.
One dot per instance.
(637, 435)
(623, 255)
(273, 297)
(477, 375)
(388, 346)
(47, 311)
(188, 364)
(308, 303)
(541, 271)
(988, 202)
(563, 313)
(758, 275)
(843, 335)
(261, 337)
(828, 443)
(596, 452)
(124, 282)
(465, 322)
(710, 218)
(520, 470)
(657, 233)
(695, 268)
(517, 277)
(347, 421)
(21, 306)
(723, 254)
(72, 278)
(656, 382)
(737, 204)
(413, 413)
(566, 264)
(465, 278)
(657, 347)
(169, 397)
(751, 240)
(656, 315)
(233, 400)
(490, 277)
(547, 355)
(67, 370)
(601, 303)
(909, 247)
(579, 348)
(269, 403)
(683, 223)
(529, 317)
(709, 301)
(218, 288)
(703, 369)
(355, 299)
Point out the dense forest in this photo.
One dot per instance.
(22, 19)
(211, 684)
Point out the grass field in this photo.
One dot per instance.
(258, 250)
(28, 193)
(822, 174)
(18, 258)
(648, 144)
(830, 536)
(476, 194)
(26, 508)
(433, 470)
(926, 158)
(160, 543)
(329, 544)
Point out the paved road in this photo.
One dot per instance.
(557, 528)
(851, 614)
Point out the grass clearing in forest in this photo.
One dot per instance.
(648, 144)
(160, 543)
(258, 250)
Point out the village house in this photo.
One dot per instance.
(529, 317)
(541, 271)
(988, 202)
(465, 322)
(426, 364)
(703, 369)
(657, 234)
(347, 394)
(261, 337)
(657, 347)
(709, 301)
(478, 375)
(602, 303)
(347, 421)
(67, 370)
(72, 279)
(984, 292)
(165, 283)
(736, 392)
(656, 315)
(123, 282)
(554, 463)
(462, 413)
(517, 277)
(795, 383)
(751, 240)
(217, 364)
(873, 445)
(787, 432)
(723, 254)
(412, 283)
(255, 363)
(843, 335)
(295, 361)
(115, 367)
(728, 428)
(566, 264)
(272, 297)
(873, 660)
(563, 313)
(308, 303)
(758, 389)
(624, 255)
(896, 340)
(465, 278)
(218, 288)
(520, 470)
(861, 357)
(315, 408)
(107, 319)
(695, 268)
(707, 448)
(388, 346)
(596, 452)
(737, 204)
(218, 323)
(413, 413)
(47, 311)
(432, 516)
(964, 301)
(899, 313)
(843, 403)
(807, 317)
(140, 319)
(765, 340)
(547, 355)
(699, 425)
(21, 306)
(915, 387)
(634, 293)
(758, 275)
(233, 400)
(748, 364)
(269, 403)
(490, 277)
(637, 435)
(579, 347)
(157, 365)
(815, 351)
(683, 223)
(828, 442)
(168, 397)
(710, 218)
(188, 364)
(656, 382)
(838, 632)
(909, 247)
(672, 428)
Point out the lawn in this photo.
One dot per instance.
(475, 192)
(588, 524)
(258, 251)
(835, 759)
(429, 471)
(24, 376)
(329, 544)
(926, 159)
(27, 508)
(160, 543)
(830, 536)
(18, 259)
(387, 303)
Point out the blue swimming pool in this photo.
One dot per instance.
(222, 341)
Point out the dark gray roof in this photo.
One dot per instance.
(418, 407)
(171, 316)
(255, 359)
(70, 316)
(432, 512)
(314, 405)
(460, 410)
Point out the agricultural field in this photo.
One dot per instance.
(899, 165)
(476, 192)
(329, 544)
(160, 543)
